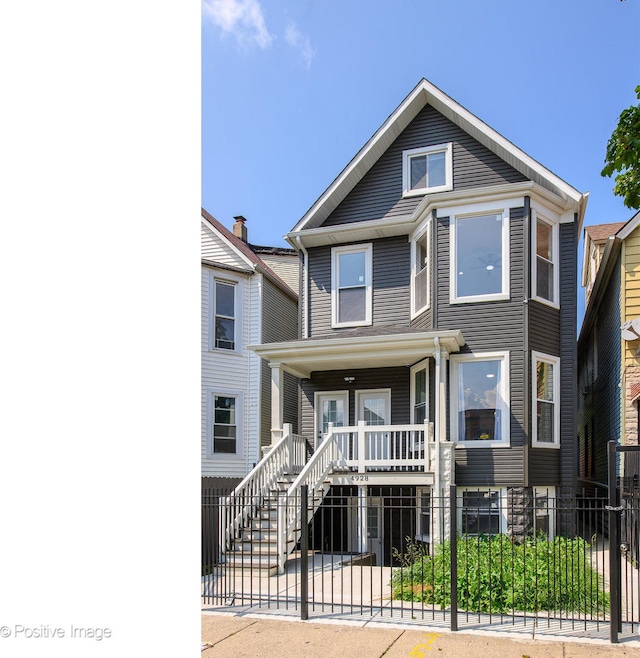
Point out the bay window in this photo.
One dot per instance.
(545, 276)
(546, 398)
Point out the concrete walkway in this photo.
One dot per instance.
(265, 636)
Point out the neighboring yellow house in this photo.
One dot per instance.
(609, 344)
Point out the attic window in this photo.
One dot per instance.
(427, 169)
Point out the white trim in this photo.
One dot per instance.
(503, 390)
(629, 227)
(546, 218)
(236, 282)
(550, 494)
(423, 365)
(426, 93)
(555, 362)
(344, 395)
(423, 230)
(229, 244)
(473, 211)
(336, 252)
(373, 392)
(239, 410)
(502, 510)
(409, 154)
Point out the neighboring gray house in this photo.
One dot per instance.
(438, 287)
(244, 301)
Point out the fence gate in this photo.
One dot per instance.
(624, 540)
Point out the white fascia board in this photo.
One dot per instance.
(426, 93)
(302, 357)
(629, 227)
(229, 244)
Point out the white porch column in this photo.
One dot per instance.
(440, 415)
(277, 400)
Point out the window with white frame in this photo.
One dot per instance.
(480, 399)
(225, 424)
(351, 293)
(479, 267)
(482, 512)
(224, 314)
(428, 169)
(546, 398)
(423, 514)
(419, 392)
(545, 277)
(544, 506)
(420, 271)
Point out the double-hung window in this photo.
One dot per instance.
(545, 276)
(351, 275)
(427, 169)
(419, 392)
(420, 271)
(546, 400)
(224, 314)
(479, 261)
(480, 402)
(482, 512)
(224, 424)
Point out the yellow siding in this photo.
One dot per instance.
(631, 291)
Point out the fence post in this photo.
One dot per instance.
(304, 553)
(453, 543)
(614, 555)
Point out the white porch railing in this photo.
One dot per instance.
(287, 456)
(362, 448)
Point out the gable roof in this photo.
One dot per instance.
(425, 93)
(600, 232)
(246, 253)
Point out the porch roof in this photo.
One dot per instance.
(302, 357)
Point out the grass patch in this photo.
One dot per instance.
(497, 575)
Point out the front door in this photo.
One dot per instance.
(331, 408)
(374, 407)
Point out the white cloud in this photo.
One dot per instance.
(301, 42)
(242, 18)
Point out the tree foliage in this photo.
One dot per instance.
(623, 155)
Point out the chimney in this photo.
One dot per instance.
(239, 229)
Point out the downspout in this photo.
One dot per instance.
(437, 415)
(304, 284)
(433, 284)
(525, 342)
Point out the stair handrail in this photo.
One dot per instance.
(239, 504)
(313, 475)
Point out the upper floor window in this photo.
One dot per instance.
(546, 407)
(351, 285)
(479, 267)
(427, 169)
(420, 272)
(546, 257)
(479, 400)
(224, 314)
(419, 392)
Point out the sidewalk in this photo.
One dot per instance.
(256, 635)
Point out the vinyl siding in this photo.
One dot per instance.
(223, 371)
(379, 193)
(631, 278)
(214, 248)
(490, 327)
(391, 274)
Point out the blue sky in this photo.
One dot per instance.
(292, 90)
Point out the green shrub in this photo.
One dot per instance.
(497, 575)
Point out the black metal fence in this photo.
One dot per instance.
(461, 559)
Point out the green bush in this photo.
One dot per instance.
(497, 575)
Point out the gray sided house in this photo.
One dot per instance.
(437, 329)
(249, 295)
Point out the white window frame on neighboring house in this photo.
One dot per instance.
(553, 262)
(554, 361)
(238, 396)
(336, 253)
(462, 215)
(457, 361)
(539, 494)
(499, 511)
(236, 283)
(426, 152)
(419, 367)
(420, 271)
